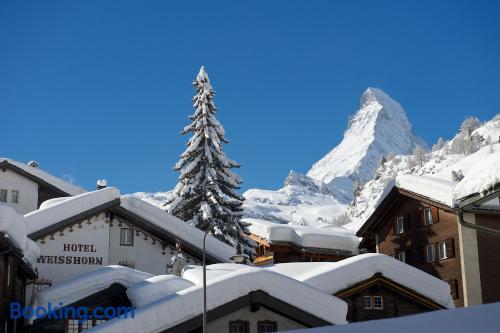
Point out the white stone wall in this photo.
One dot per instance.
(147, 254)
(28, 191)
(221, 325)
(80, 248)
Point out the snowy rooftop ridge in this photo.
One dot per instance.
(177, 227)
(87, 284)
(334, 238)
(438, 190)
(332, 277)
(63, 185)
(59, 210)
(186, 304)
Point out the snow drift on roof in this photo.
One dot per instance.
(87, 284)
(186, 304)
(64, 186)
(481, 177)
(177, 227)
(13, 225)
(479, 318)
(438, 190)
(156, 287)
(59, 211)
(336, 238)
(332, 277)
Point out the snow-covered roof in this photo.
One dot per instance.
(438, 190)
(332, 277)
(186, 304)
(86, 284)
(177, 227)
(335, 238)
(61, 210)
(480, 318)
(62, 185)
(155, 288)
(480, 178)
(13, 226)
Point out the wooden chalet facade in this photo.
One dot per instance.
(15, 275)
(428, 234)
(379, 297)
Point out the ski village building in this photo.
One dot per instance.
(457, 240)
(100, 249)
(281, 243)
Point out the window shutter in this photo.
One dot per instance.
(435, 214)
(450, 248)
(406, 222)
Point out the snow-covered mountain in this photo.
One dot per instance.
(379, 128)
(450, 160)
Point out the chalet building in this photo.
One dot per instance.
(248, 301)
(419, 222)
(281, 243)
(374, 286)
(25, 186)
(82, 233)
(17, 255)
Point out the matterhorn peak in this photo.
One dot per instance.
(379, 128)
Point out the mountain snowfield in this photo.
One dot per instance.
(379, 128)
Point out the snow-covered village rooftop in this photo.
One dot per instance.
(329, 237)
(33, 169)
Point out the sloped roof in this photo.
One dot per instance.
(43, 177)
(186, 304)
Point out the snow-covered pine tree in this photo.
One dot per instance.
(205, 196)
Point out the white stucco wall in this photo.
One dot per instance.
(93, 239)
(221, 325)
(147, 254)
(28, 191)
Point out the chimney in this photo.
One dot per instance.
(101, 183)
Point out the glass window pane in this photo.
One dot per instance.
(14, 196)
(3, 195)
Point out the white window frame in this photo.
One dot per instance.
(400, 225)
(427, 257)
(123, 239)
(428, 217)
(442, 250)
(2, 193)
(14, 194)
(402, 256)
(375, 306)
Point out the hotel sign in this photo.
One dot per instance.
(80, 254)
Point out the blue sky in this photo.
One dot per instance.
(101, 89)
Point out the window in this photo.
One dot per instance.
(367, 302)
(430, 253)
(427, 216)
(3, 195)
(400, 225)
(127, 236)
(402, 256)
(267, 326)
(378, 302)
(442, 250)
(14, 196)
(239, 326)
